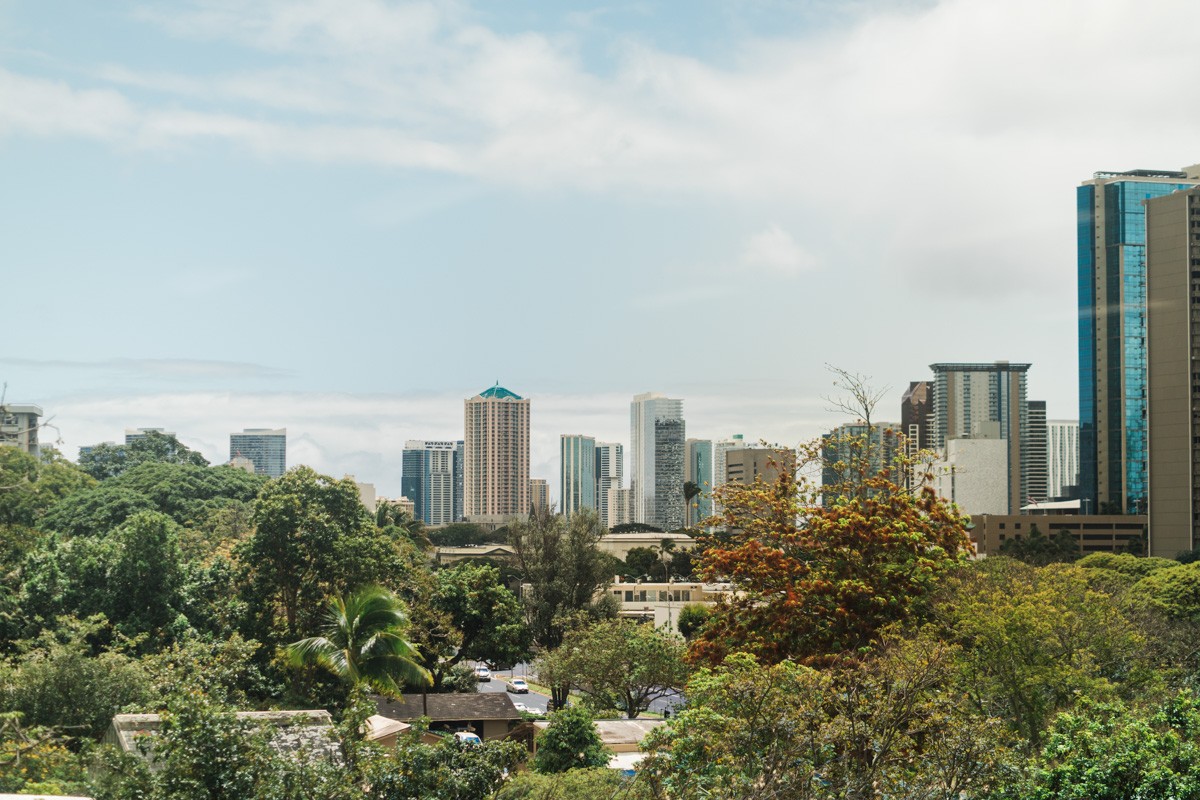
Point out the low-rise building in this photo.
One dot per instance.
(660, 602)
(19, 426)
(490, 715)
(1095, 533)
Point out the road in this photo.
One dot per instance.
(536, 702)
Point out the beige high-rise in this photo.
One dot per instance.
(1173, 369)
(496, 455)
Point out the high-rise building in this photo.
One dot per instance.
(431, 477)
(539, 496)
(720, 448)
(496, 455)
(657, 435)
(698, 469)
(133, 434)
(984, 401)
(577, 474)
(1035, 460)
(916, 406)
(1062, 450)
(745, 464)
(610, 473)
(266, 447)
(1111, 239)
(19, 426)
(851, 453)
(1173, 367)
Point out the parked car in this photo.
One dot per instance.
(466, 737)
(522, 707)
(483, 674)
(517, 686)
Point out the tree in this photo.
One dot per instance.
(1034, 640)
(815, 581)
(1104, 751)
(363, 642)
(105, 461)
(569, 742)
(313, 539)
(1038, 549)
(620, 664)
(594, 783)
(690, 492)
(94, 511)
(187, 492)
(449, 770)
(692, 617)
(635, 527)
(666, 547)
(640, 562)
(457, 534)
(487, 615)
(1173, 592)
(29, 485)
(565, 569)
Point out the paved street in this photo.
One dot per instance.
(537, 702)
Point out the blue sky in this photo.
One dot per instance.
(345, 217)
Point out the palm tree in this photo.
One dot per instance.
(690, 491)
(665, 548)
(363, 643)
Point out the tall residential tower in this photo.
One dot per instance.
(496, 455)
(265, 447)
(657, 436)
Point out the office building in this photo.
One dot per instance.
(539, 496)
(720, 448)
(657, 435)
(610, 473)
(916, 407)
(1112, 334)
(1035, 458)
(496, 456)
(431, 477)
(19, 425)
(698, 469)
(984, 401)
(266, 447)
(620, 507)
(745, 464)
(851, 454)
(1062, 451)
(577, 474)
(1173, 370)
(134, 434)
(974, 475)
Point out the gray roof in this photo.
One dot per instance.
(310, 732)
(465, 706)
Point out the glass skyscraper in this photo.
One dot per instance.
(265, 447)
(577, 474)
(431, 477)
(1111, 234)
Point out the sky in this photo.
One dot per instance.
(344, 217)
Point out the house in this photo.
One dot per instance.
(490, 714)
(309, 733)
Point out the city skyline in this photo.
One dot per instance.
(307, 169)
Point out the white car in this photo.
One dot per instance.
(523, 708)
(466, 737)
(483, 674)
(517, 686)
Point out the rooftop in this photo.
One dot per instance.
(449, 707)
(498, 392)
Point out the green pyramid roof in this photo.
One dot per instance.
(498, 392)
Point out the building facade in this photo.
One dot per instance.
(720, 448)
(657, 436)
(698, 469)
(1035, 456)
(610, 473)
(1173, 370)
(744, 464)
(19, 425)
(496, 455)
(539, 496)
(850, 453)
(916, 406)
(431, 477)
(1062, 448)
(985, 401)
(1112, 334)
(577, 474)
(266, 447)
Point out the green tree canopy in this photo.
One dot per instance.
(488, 616)
(29, 485)
(363, 642)
(105, 461)
(619, 664)
(569, 742)
(564, 567)
(1038, 549)
(1173, 592)
(457, 534)
(95, 511)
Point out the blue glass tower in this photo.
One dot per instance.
(1111, 235)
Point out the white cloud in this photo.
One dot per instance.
(774, 251)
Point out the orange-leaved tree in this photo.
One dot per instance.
(815, 581)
